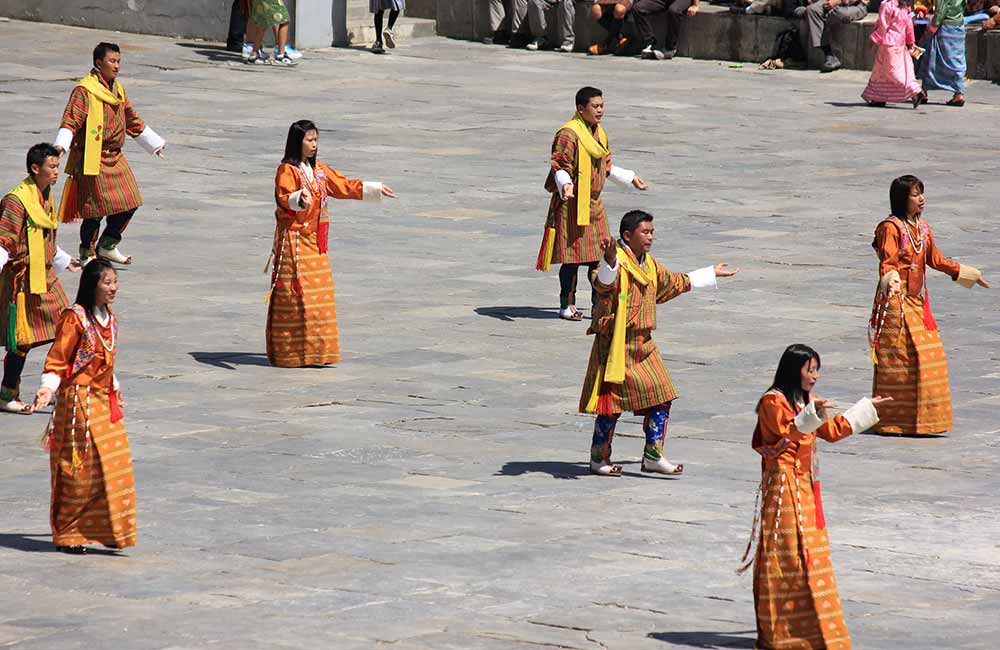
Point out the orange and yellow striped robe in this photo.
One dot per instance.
(302, 314)
(647, 382)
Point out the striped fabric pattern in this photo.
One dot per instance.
(43, 309)
(912, 369)
(576, 244)
(115, 189)
(795, 591)
(647, 381)
(96, 502)
(301, 329)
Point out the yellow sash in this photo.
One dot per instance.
(93, 140)
(37, 221)
(613, 371)
(593, 148)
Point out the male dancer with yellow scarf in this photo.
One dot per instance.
(97, 118)
(577, 223)
(31, 297)
(626, 371)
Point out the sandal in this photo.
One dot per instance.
(571, 313)
(605, 469)
(955, 102)
(918, 99)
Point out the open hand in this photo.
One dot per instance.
(121, 400)
(692, 10)
(610, 251)
(822, 405)
(831, 4)
(42, 398)
(387, 191)
(880, 400)
(722, 270)
(74, 266)
(983, 283)
(305, 199)
(895, 285)
(639, 184)
(60, 149)
(567, 192)
(159, 152)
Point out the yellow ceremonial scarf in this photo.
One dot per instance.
(613, 371)
(38, 220)
(594, 148)
(93, 140)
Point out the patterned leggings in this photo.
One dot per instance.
(654, 425)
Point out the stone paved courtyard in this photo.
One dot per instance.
(431, 491)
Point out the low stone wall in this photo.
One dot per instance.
(422, 8)
(715, 33)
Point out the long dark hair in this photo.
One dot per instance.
(293, 143)
(86, 294)
(788, 376)
(899, 194)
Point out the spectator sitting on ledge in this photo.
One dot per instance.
(676, 10)
(821, 15)
(563, 11)
(611, 15)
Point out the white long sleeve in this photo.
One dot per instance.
(372, 191)
(606, 273)
(51, 381)
(622, 176)
(808, 420)
(60, 261)
(295, 201)
(703, 278)
(64, 138)
(862, 415)
(150, 141)
(4, 257)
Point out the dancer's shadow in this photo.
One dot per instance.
(42, 543)
(871, 432)
(860, 105)
(509, 314)
(706, 639)
(229, 360)
(215, 53)
(554, 468)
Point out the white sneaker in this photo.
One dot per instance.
(647, 51)
(564, 48)
(389, 38)
(247, 52)
(290, 52)
(535, 45)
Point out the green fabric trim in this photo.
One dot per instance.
(651, 452)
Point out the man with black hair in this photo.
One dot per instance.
(97, 118)
(626, 371)
(31, 297)
(577, 223)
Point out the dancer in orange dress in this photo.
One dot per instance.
(795, 592)
(93, 490)
(301, 315)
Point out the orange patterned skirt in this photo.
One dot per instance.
(93, 500)
(912, 369)
(302, 314)
(795, 592)
(647, 382)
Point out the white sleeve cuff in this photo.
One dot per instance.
(885, 280)
(808, 420)
(622, 176)
(60, 261)
(606, 273)
(51, 381)
(703, 278)
(295, 201)
(114, 383)
(562, 177)
(372, 191)
(4, 257)
(64, 138)
(968, 276)
(862, 416)
(150, 141)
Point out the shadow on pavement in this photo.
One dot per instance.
(511, 313)
(554, 468)
(706, 639)
(229, 360)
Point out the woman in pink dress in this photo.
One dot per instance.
(892, 77)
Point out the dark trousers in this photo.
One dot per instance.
(112, 232)
(568, 275)
(13, 366)
(237, 26)
(612, 25)
(676, 12)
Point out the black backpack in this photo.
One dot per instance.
(788, 46)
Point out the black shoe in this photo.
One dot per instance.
(501, 37)
(877, 104)
(918, 99)
(72, 550)
(377, 48)
(233, 46)
(519, 41)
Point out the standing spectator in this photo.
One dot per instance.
(507, 18)
(264, 14)
(943, 66)
(611, 15)
(564, 12)
(821, 15)
(892, 77)
(237, 27)
(379, 7)
(676, 11)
